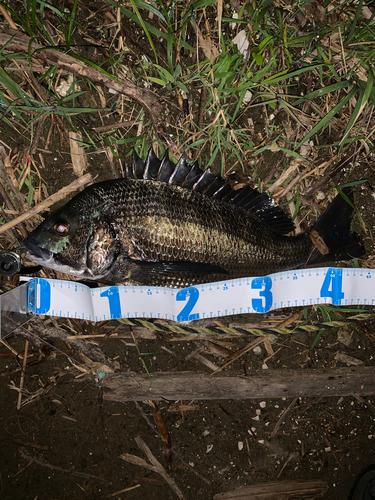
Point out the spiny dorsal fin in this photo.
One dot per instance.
(193, 178)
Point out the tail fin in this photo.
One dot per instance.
(333, 226)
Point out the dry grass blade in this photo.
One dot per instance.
(79, 159)
(277, 490)
(22, 375)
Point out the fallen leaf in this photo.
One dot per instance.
(349, 360)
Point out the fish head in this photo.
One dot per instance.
(75, 242)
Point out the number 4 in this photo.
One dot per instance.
(332, 286)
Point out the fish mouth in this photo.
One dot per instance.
(36, 253)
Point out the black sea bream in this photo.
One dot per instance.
(175, 225)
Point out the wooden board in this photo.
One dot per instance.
(353, 381)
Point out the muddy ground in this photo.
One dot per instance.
(67, 443)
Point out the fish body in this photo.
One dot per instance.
(174, 225)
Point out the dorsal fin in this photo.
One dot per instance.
(193, 178)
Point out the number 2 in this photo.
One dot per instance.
(192, 294)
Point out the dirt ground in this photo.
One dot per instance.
(66, 444)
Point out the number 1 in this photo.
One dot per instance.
(114, 301)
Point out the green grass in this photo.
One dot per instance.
(316, 78)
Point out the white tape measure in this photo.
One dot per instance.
(69, 299)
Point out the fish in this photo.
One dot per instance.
(175, 225)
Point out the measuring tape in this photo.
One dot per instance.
(303, 287)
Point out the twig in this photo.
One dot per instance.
(41, 332)
(38, 133)
(85, 179)
(150, 101)
(283, 415)
(174, 451)
(22, 375)
(331, 172)
(291, 319)
(297, 179)
(202, 104)
(271, 173)
(31, 445)
(240, 353)
(283, 177)
(226, 412)
(124, 490)
(60, 469)
(2, 341)
(292, 455)
(155, 465)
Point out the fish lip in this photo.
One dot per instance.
(36, 253)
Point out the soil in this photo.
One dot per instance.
(69, 426)
(66, 441)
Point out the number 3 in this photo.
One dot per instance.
(259, 305)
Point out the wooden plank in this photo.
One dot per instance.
(277, 490)
(353, 381)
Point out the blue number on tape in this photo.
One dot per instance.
(39, 292)
(260, 305)
(332, 286)
(192, 294)
(114, 301)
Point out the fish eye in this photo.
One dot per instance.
(61, 228)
